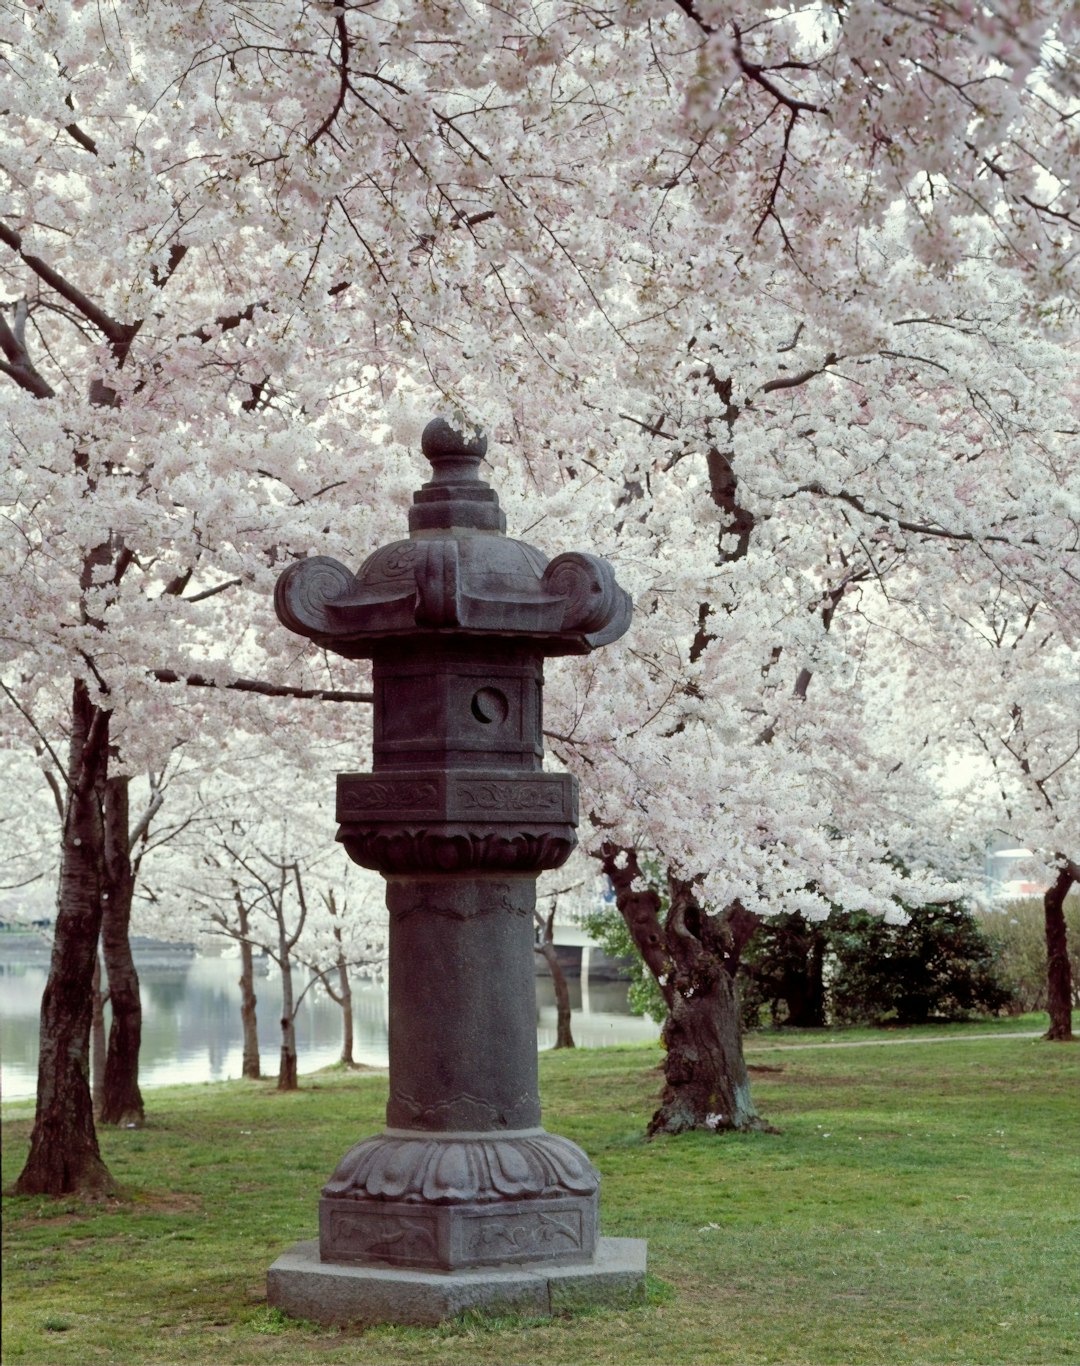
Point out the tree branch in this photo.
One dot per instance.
(119, 334)
(44, 740)
(343, 81)
(263, 689)
(917, 528)
(210, 592)
(640, 911)
(753, 70)
(83, 139)
(18, 365)
(793, 381)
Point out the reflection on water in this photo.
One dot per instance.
(600, 1015)
(191, 1018)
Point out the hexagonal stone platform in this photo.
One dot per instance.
(302, 1285)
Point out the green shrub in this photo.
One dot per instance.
(855, 969)
(608, 928)
(783, 967)
(938, 966)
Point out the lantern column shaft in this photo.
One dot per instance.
(462, 1004)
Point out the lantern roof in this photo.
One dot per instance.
(457, 574)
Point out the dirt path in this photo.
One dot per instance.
(892, 1043)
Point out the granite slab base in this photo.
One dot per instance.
(302, 1285)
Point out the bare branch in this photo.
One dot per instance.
(18, 365)
(119, 334)
(142, 826)
(343, 79)
(918, 528)
(14, 886)
(210, 592)
(263, 689)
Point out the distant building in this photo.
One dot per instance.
(1009, 873)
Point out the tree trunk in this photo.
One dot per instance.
(805, 989)
(345, 1001)
(252, 1063)
(694, 957)
(64, 1156)
(816, 1005)
(1058, 971)
(706, 1085)
(287, 1064)
(287, 1075)
(563, 1036)
(97, 1039)
(122, 1102)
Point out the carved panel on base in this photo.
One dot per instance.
(378, 1233)
(449, 1237)
(521, 1234)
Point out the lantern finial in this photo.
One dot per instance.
(455, 497)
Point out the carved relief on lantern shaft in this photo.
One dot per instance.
(369, 795)
(457, 795)
(411, 896)
(463, 1111)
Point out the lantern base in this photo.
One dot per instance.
(301, 1284)
(427, 1237)
(447, 1201)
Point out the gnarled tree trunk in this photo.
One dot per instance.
(122, 1101)
(694, 957)
(64, 1155)
(1058, 972)
(706, 1085)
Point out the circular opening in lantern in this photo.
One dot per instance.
(490, 706)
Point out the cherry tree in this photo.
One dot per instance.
(260, 867)
(1004, 694)
(349, 933)
(567, 892)
(742, 294)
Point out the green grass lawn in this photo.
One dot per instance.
(921, 1204)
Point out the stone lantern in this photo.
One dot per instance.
(464, 1199)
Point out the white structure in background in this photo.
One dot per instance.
(577, 889)
(1010, 875)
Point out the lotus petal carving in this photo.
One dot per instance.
(462, 1170)
(455, 848)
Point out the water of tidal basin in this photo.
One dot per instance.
(191, 1018)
